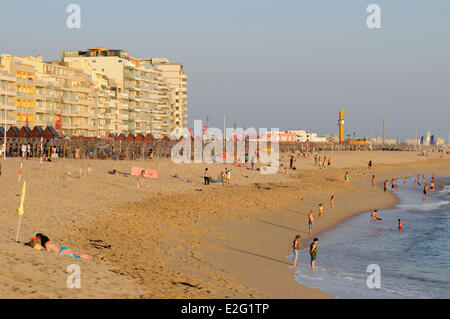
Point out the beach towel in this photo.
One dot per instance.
(136, 171)
(150, 173)
(219, 180)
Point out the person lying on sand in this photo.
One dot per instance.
(116, 172)
(51, 246)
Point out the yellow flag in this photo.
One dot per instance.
(19, 210)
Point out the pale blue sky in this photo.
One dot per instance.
(285, 64)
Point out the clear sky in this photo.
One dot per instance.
(285, 64)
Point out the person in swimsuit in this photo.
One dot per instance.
(393, 185)
(332, 201)
(370, 164)
(346, 176)
(400, 224)
(51, 246)
(425, 191)
(313, 252)
(373, 180)
(310, 220)
(296, 248)
(432, 186)
(320, 209)
(374, 216)
(386, 182)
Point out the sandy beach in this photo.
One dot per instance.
(175, 237)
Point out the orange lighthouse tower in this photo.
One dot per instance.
(341, 126)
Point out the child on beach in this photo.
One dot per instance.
(374, 216)
(310, 220)
(320, 209)
(296, 248)
(313, 252)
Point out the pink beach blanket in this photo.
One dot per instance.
(144, 172)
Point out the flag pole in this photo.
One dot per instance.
(18, 228)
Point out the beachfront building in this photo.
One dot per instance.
(7, 98)
(25, 77)
(174, 75)
(303, 136)
(92, 93)
(145, 98)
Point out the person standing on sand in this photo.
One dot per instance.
(346, 176)
(206, 176)
(291, 161)
(373, 180)
(332, 201)
(386, 182)
(228, 173)
(252, 162)
(310, 220)
(320, 209)
(296, 248)
(313, 252)
(370, 164)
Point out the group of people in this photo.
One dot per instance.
(318, 161)
(313, 246)
(224, 177)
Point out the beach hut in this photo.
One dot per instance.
(24, 132)
(139, 137)
(130, 137)
(121, 137)
(50, 133)
(149, 137)
(112, 136)
(165, 139)
(12, 132)
(37, 132)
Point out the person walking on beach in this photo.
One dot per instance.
(332, 201)
(373, 180)
(346, 176)
(296, 248)
(386, 182)
(310, 220)
(320, 209)
(313, 252)
(291, 161)
(206, 176)
(228, 175)
(370, 164)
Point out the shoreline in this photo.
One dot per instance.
(289, 288)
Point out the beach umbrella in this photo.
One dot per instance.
(19, 210)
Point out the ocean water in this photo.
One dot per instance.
(413, 263)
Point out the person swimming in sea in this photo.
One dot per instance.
(400, 224)
(374, 216)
